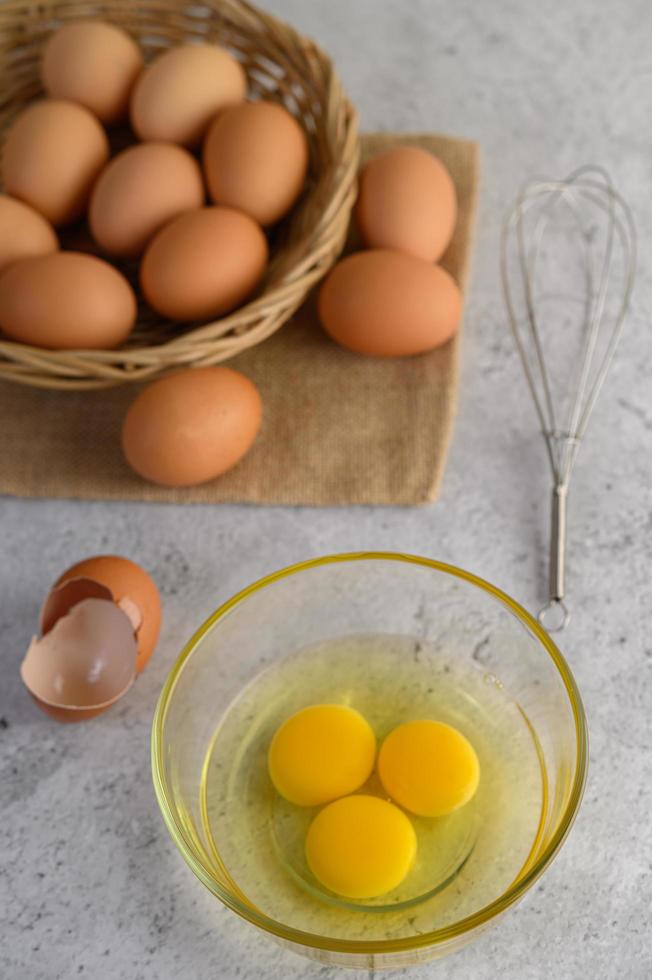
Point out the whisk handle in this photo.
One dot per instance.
(558, 543)
(555, 616)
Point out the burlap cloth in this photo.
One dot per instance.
(338, 428)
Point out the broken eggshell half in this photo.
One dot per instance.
(84, 662)
(130, 587)
(62, 598)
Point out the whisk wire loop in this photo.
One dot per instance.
(586, 195)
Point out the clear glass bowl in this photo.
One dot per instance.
(357, 595)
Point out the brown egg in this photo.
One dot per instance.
(53, 153)
(84, 663)
(140, 190)
(176, 96)
(191, 426)
(94, 64)
(389, 304)
(203, 264)
(407, 202)
(124, 580)
(66, 300)
(23, 232)
(256, 159)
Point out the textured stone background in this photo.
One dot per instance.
(90, 883)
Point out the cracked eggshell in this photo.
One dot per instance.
(130, 586)
(84, 664)
(61, 600)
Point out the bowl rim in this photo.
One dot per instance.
(435, 937)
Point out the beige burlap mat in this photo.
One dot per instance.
(338, 428)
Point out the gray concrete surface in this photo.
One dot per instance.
(90, 883)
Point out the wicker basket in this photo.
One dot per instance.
(281, 65)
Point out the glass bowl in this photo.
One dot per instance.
(448, 613)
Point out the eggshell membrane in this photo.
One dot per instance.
(179, 93)
(256, 159)
(140, 190)
(389, 304)
(52, 156)
(23, 232)
(94, 64)
(191, 426)
(125, 580)
(406, 201)
(86, 661)
(203, 264)
(67, 300)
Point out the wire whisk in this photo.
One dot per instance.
(567, 245)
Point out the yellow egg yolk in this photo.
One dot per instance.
(320, 753)
(360, 846)
(428, 767)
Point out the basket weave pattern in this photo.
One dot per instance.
(281, 65)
